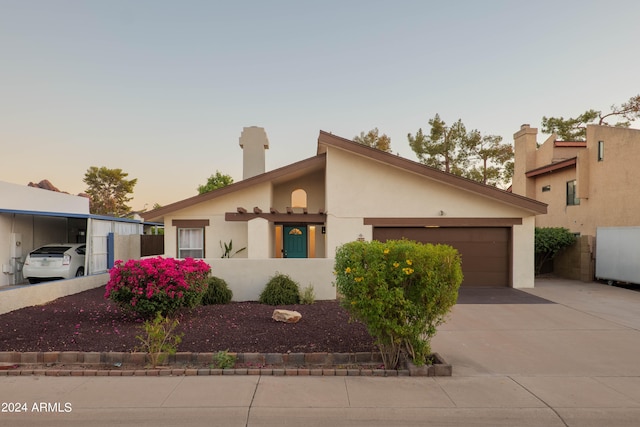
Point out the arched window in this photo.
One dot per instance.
(299, 198)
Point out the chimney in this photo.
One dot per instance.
(525, 150)
(254, 142)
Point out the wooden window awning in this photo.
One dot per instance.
(274, 215)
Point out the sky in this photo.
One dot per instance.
(162, 89)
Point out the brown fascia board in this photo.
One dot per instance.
(553, 167)
(326, 139)
(578, 144)
(311, 162)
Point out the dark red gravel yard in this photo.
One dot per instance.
(88, 322)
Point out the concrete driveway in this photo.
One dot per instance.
(563, 354)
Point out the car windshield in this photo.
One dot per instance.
(50, 251)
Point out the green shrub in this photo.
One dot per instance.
(401, 290)
(549, 241)
(280, 290)
(217, 292)
(159, 339)
(308, 296)
(224, 360)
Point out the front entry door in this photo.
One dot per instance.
(295, 241)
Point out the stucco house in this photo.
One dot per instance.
(292, 219)
(586, 184)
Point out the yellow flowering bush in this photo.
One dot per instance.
(401, 290)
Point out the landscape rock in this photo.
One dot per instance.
(287, 316)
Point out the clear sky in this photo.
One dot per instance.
(162, 89)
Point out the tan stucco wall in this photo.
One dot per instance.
(607, 188)
(613, 182)
(558, 213)
(576, 262)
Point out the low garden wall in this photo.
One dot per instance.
(245, 277)
(14, 298)
(248, 277)
(73, 363)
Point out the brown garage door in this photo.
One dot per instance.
(484, 251)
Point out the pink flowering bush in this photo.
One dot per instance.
(158, 285)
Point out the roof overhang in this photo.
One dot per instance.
(70, 215)
(553, 167)
(277, 175)
(570, 144)
(442, 222)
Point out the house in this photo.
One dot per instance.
(292, 219)
(31, 217)
(586, 184)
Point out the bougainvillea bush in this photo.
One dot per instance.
(401, 290)
(157, 285)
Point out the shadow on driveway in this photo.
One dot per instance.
(498, 296)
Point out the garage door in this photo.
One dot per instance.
(485, 251)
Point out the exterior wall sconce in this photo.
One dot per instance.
(360, 238)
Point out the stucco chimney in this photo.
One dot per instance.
(525, 147)
(254, 142)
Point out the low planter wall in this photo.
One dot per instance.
(14, 298)
(63, 363)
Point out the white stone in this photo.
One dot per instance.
(287, 316)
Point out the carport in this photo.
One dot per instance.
(31, 229)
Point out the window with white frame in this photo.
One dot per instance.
(191, 242)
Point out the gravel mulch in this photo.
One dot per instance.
(89, 322)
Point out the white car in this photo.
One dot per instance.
(55, 261)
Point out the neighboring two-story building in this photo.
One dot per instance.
(586, 184)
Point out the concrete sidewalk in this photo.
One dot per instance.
(572, 363)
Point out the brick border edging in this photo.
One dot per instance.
(109, 364)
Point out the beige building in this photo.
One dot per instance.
(586, 184)
(292, 219)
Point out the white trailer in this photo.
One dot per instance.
(618, 254)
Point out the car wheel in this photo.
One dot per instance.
(80, 272)
(33, 280)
